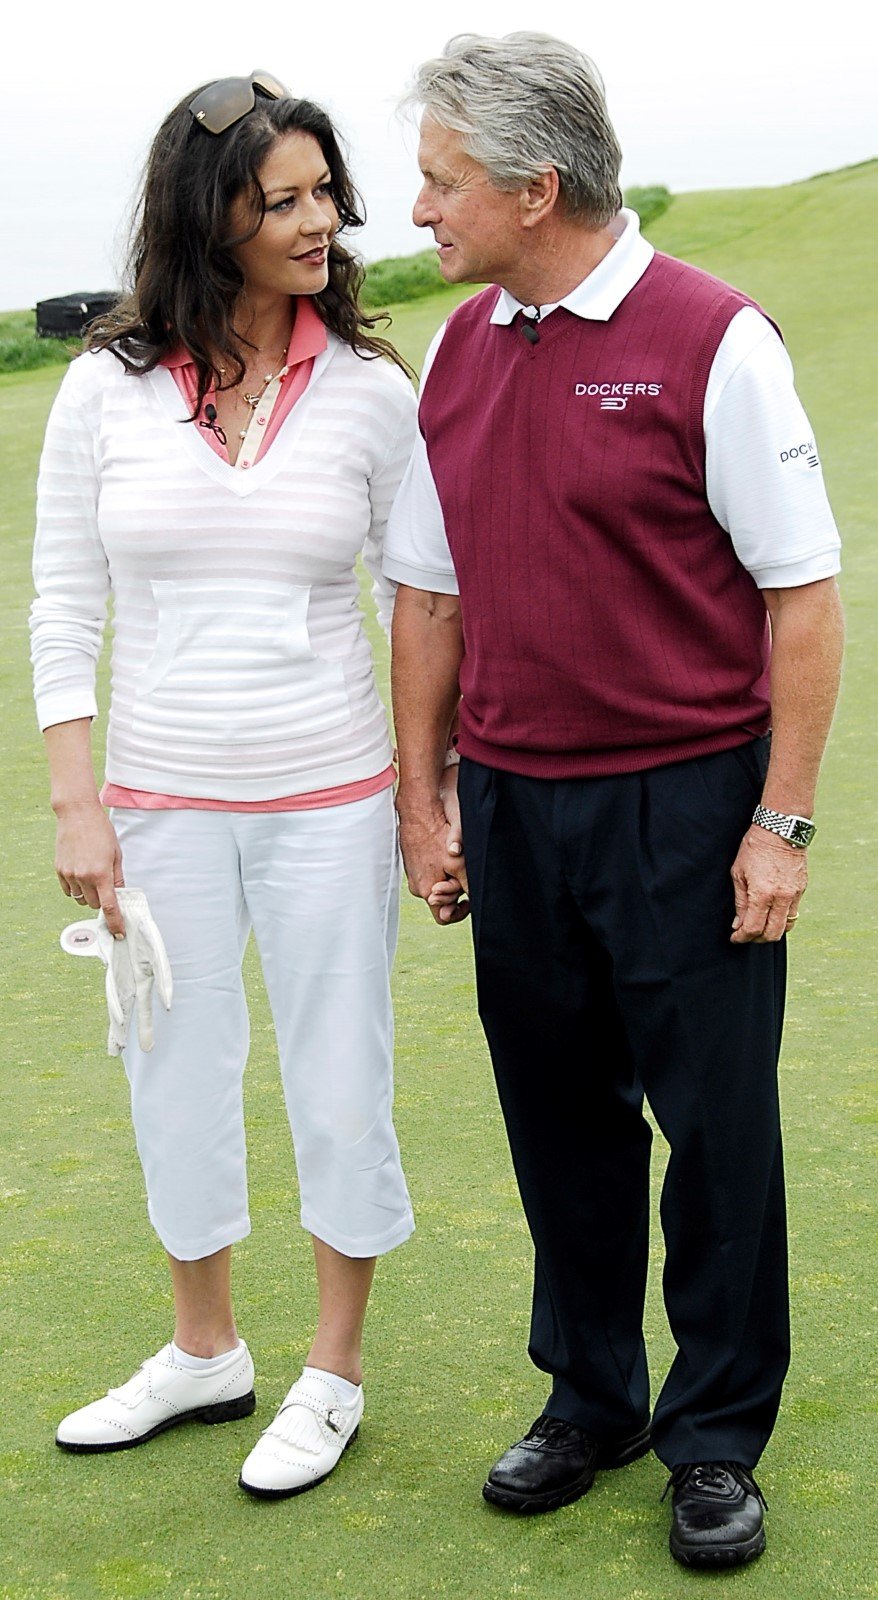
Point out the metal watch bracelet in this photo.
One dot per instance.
(798, 831)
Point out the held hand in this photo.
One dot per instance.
(88, 861)
(770, 877)
(454, 838)
(446, 898)
(423, 836)
(447, 901)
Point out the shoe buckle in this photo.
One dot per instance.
(335, 1421)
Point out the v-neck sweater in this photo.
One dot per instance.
(308, 339)
(240, 667)
(609, 624)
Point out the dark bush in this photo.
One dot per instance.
(21, 350)
(401, 278)
(648, 203)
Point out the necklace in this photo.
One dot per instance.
(265, 397)
(252, 398)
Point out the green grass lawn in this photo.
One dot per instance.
(448, 1382)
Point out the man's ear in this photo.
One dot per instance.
(539, 197)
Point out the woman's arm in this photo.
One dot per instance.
(88, 859)
(67, 624)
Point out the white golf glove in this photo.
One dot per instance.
(134, 964)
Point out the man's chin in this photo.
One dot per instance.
(453, 270)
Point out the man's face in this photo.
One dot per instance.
(477, 226)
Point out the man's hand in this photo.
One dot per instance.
(434, 873)
(770, 877)
(425, 665)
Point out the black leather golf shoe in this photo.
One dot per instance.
(555, 1463)
(718, 1518)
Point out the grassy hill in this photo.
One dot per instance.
(448, 1383)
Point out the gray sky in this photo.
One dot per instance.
(752, 94)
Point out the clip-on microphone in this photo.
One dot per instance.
(212, 426)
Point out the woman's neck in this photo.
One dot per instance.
(266, 325)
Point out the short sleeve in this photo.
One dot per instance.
(416, 549)
(764, 478)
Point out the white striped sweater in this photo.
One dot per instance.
(240, 667)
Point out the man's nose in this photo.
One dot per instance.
(424, 211)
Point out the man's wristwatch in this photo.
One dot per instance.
(798, 831)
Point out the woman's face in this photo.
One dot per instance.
(290, 253)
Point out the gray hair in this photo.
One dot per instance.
(523, 104)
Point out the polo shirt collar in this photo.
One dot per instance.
(308, 338)
(602, 292)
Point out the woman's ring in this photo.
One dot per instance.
(80, 898)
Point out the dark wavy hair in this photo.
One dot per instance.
(185, 282)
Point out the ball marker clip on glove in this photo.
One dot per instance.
(134, 966)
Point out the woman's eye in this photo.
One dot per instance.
(324, 189)
(284, 205)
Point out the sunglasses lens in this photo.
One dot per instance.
(225, 102)
(270, 85)
(222, 103)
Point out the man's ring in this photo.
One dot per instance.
(794, 917)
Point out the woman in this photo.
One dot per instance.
(217, 460)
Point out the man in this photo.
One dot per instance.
(616, 505)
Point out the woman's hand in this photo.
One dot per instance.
(451, 807)
(448, 899)
(88, 859)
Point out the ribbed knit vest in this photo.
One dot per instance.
(608, 623)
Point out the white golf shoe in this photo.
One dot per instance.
(307, 1438)
(160, 1394)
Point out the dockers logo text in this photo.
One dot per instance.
(806, 451)
(615, 396)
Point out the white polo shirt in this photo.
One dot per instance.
(764, 480)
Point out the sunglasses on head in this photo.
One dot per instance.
(225, 102)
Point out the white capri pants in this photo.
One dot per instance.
(321, 892)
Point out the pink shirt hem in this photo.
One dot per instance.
(112, 794)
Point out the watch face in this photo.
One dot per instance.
(801, 833)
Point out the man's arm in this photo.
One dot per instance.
(770, 875)
(427, 652)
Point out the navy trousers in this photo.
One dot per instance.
(602, 910)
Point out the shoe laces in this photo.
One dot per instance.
(551, 1428)
(710, 1475)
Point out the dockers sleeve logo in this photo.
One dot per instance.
(805, 452)
(615, 396)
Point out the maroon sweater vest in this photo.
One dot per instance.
(608, 624)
